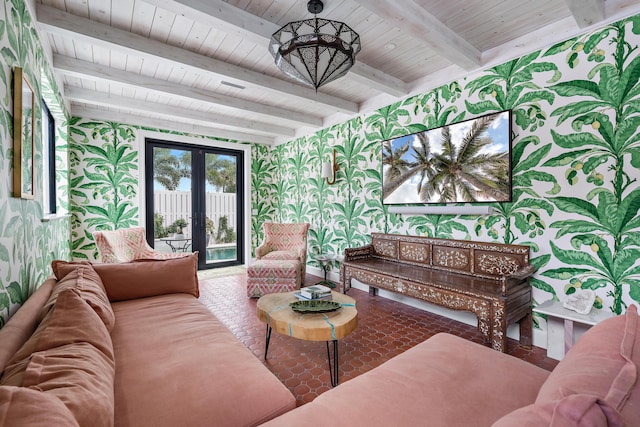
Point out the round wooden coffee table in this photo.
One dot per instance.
(274, 310)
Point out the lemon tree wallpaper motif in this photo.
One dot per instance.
(575, 164)
(603, 149)
(27, 245)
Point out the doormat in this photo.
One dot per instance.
(212, 273)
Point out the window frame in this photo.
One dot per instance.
(50, 205)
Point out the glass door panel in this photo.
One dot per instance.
(220, 207)
(172, 199)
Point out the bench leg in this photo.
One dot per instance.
(373, 291)
(526, 330)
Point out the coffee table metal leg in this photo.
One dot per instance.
(266, 347)
(333, 373)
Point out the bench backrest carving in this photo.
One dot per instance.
(490, 260)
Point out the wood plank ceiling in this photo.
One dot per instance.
(202, 66)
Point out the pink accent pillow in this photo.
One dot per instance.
(596, 384)
(577, 410)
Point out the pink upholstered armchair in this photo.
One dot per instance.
(285, 241)
(127, 244)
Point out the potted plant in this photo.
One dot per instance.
(179, 225)
(172, 230)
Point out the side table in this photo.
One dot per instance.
(560, 325)
(325, 261)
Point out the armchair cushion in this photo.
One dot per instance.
(281, 255)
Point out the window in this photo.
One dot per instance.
(49, 160)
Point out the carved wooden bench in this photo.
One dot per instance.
(490, 280)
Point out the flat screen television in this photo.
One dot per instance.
(468, 161)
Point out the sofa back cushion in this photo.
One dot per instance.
(74, 361)
(21, 406)
(143, 277)
(89, 285)
(596, 383)
(603, 363)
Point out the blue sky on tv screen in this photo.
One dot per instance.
(498, 132)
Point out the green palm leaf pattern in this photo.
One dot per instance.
(575, 162)
(605, 116)
(27, 244)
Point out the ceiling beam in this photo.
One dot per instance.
(163, 124)
(414, 21)
(88, 70)
(586, 12)
(65, 24)
(233, 20)
(204, 118)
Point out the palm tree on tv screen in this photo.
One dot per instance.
(456, 172)
(422, 163)
(395, 161)
(465, 172)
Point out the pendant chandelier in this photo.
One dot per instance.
(315, 51)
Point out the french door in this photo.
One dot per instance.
(194, 201)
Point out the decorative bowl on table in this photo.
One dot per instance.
(314, 306)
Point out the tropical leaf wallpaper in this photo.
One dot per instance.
(575, 157)
(104, 177)
(27, 244)
(575, 160)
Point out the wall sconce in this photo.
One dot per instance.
(329, 169)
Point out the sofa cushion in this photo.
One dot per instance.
(21, 406)
(83, 278)
(443, 381)
(143, 277)
(600, 370)
(88, 286)
(74, 361)
(170, 348)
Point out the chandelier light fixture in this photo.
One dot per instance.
(315, 51)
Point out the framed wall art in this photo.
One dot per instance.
(23, 135)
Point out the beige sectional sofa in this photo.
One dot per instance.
(447, 381)
(129, 345)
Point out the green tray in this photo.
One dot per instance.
(314, 306)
